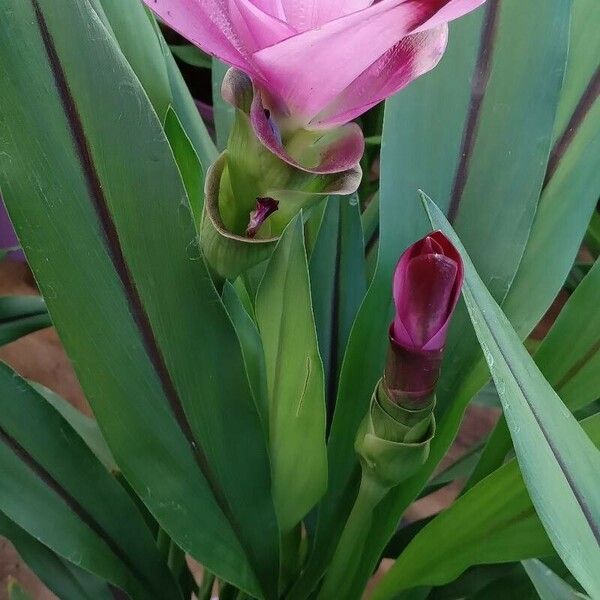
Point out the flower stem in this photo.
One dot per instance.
(352, 541)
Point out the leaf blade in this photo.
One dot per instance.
(559, 462)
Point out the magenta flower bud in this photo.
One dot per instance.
(427, 285)
(265, 207)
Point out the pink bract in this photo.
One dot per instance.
(320, 62)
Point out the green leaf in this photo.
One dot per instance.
(188, 162)
(133, 30)
(516, 580)
(66, 580)
(186, 109)
(568, 357)
(572, 185)
(111, 240)
(86, 427)
(560, 464)
(142, 43)
(54, 488)
(191, 55)
(549, 586)
(224, 112)
(486, 158)
(21, 315)
(294, 380)
(338, 282)
(252, 348)
(494, 522)
(592, 238)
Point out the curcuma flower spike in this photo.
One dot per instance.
(394, 438)
(321, 63)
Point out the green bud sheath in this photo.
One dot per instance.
(227, 253)
(293, 172)
(392, 444)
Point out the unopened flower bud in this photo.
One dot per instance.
(427, 285)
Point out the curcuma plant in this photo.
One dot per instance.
(279, 327)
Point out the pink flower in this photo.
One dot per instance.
(320, 62)
(427, 285)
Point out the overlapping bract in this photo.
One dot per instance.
(427, 285)
(321, 63)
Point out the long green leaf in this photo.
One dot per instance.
(560, 464)
(338, 282)
(144, 47)
(85, 426)
(572, 184)
(128, 290)
(569, 358)
(66, 580)
(549, 586)
(54, 488)
(252, 348)
(136, 37)
(188, 162)
(294, 379)
(497, 89)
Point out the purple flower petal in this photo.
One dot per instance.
(427, 285)
(265, 207)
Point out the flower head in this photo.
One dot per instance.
(427, 285)
(320, 62)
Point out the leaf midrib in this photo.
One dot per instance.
(585, 509)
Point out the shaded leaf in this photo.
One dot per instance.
(67, 581)
(337, 277)
(21, 315)
(167, 405)
(191, 55)
(58, 492)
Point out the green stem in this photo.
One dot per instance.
(163, 541)
(208, 582)
(176, 559)
(352, 541)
